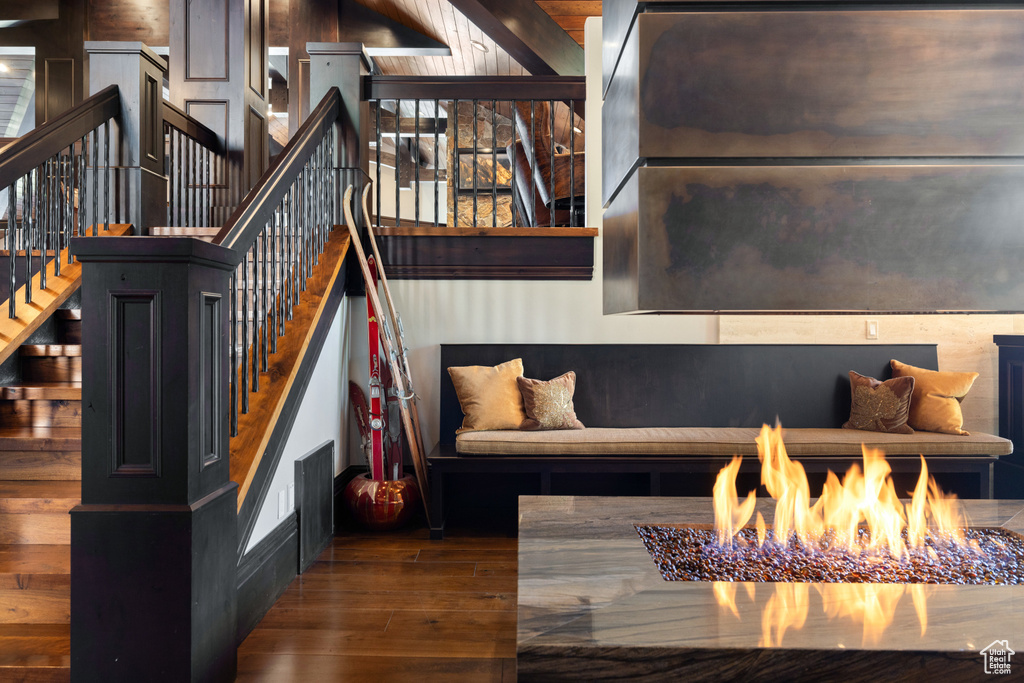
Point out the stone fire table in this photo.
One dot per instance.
(593, 606)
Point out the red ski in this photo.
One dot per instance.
(378, 468)
(362, 411)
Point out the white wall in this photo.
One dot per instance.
(407, 197)
(318, 420)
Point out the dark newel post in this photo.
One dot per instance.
(154, 542)
(219, 51)
(138, 73)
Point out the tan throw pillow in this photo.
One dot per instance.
(935, 406)
(549, 404)
(880, 406)
(489, 396)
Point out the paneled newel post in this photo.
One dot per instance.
(137, 143)
(153, 544)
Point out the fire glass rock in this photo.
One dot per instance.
(691, 554)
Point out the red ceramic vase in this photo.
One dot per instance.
(382, 505)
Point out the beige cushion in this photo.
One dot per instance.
(721, 441)
(548, 404)
(489, 395)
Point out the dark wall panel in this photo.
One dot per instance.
(832, 83)
(871, 237)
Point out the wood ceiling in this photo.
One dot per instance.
(149, 21)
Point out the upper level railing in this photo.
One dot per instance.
(278, 233)
(477, 152)
(194, 163)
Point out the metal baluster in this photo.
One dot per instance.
(416, 163)
(61, 208)
(437, 156)
(531, 156)
(245, 332)
(305, 226)
(257, 307)
(233, 351)
(109, 176)
(95, 181)
(476, 172)
(398, 160)
(551, 164)
(455, 164)
(179, 172)
(206, 188)
(572, 165)
(190, 200)
(494, 164)
(515, 153)
(72, 217)
(83, 202)
(169, 171)
(265, 299)
(47, 197)
(26, 227)
(278, 272)
(11, 210)
(290, 239)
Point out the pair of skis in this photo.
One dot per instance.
(393, 342)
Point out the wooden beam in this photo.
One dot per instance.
(527, 33)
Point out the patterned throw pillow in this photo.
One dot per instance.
(880, 406)
(548, 404)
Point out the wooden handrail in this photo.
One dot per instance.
(32, 149)
(475, 87)
(191, 127)
(249, 219)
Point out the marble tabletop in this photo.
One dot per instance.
(593, 606)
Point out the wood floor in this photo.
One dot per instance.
(394, 606)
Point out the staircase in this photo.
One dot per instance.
(40, 481)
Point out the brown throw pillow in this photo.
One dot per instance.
(935, 406)
(880, 406)
(549, 404)
(489, 395)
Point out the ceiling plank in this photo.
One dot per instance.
(383, 35)
(527, 33)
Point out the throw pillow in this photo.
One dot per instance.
(548, 404)
(935, 405)
(489, 395)
(880, 406)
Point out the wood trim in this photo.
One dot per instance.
(265, 572)
(525, 272)
(266, 406)
(429, 231)
(14, 331)
(191, 127)
(546, 87)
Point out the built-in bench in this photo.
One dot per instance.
(657, 413)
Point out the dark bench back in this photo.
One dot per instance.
(692, 385)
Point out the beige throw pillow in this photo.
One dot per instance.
(489, 395)
(548, 404)
(935, 406)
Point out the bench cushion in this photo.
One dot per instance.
(722, 441)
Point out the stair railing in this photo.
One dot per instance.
(194, 163)
(58, 182)
(278, 233)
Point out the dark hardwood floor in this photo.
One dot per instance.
(394, 606)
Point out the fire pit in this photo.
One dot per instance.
(593, 605)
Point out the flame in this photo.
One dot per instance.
(865, 495)
(785, 609)
(872, 604)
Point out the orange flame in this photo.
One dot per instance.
(867, 496)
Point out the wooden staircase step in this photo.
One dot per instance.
(41, 528)
(41, 414)
(35, 559)
(50, 350)
(35, 653)
(42, 391)
(40, 439)
(51, 368)
(68, 314)
(24, 497)
(41, 465)
(35, 599)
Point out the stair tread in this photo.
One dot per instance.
(20, 558)
(208, 231)
(35, 391)
(35, 646)
(50, 350)
(40, 438)
(68, 313)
